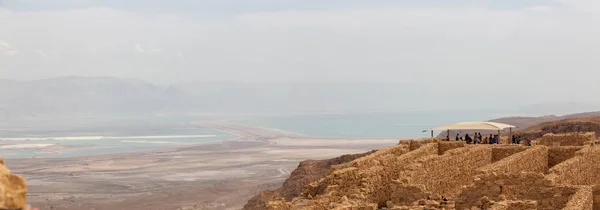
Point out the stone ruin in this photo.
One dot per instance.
(13, 189)
(434, 174)
(568, 139)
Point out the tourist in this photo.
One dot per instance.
(457, 136)
(468, 138)
(491, 139)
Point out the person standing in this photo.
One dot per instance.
(457, 137)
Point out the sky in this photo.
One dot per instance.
(545, 49)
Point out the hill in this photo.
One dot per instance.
(562, 126)
(84, 96)
(525, 122)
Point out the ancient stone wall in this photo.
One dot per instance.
(13, 189)
(444, 146)
(596, 198)
(366, 181)
(480, 176)
(505, 140)
(522, 186)
(499, 153)
(583, 169)
(446, 174)
(413, 144)
(583, 199)
(568, 139)
(521, 205)
(534, 159)
(557, 155)
(390, 154)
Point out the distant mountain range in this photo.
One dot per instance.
(525, 122)
(117, 96)
(85, 96)
(110, 96)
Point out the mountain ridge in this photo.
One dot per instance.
(115, 96)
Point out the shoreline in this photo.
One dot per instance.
(257, 159)
(241, 133)
(91, 138)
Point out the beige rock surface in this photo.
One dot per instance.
(13, 189)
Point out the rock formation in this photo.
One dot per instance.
(13, 189)
(307, 172)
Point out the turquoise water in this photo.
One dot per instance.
(112, 145)
(370, 125)
(98, 147)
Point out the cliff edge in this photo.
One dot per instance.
(308, 171)
(13, 189)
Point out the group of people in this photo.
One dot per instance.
(492, 139)
(517, 140)
(478, 139)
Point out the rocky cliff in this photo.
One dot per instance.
(307, 172)
(13, 189)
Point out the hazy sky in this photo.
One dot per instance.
(545, 47)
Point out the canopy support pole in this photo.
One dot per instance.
(498, 137)
(510, 134)
(431, 133)
(448, 135)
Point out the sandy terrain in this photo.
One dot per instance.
(218, 175)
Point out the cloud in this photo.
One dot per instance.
(7, 49)
(455, 47)
(4, 45)
(138, 48)
(41, 53)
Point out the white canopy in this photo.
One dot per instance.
(475, 126)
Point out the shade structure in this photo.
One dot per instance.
(474, 126)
